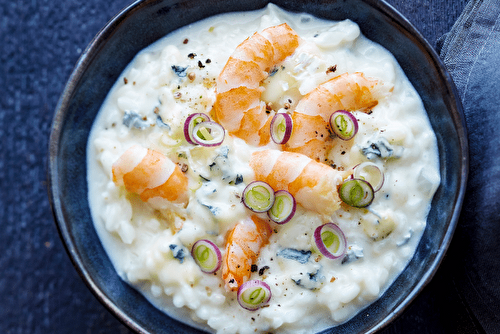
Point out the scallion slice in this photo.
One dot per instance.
(258, 196)
(330, 240)
(283, 208)
(281, 128)
(207, 255)
(344, 124)
(208, 134)
(191, 122)
(371, 173)
(254, 294)
(356, 192)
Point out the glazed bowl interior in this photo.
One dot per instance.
(144, 22)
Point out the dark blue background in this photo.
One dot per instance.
(40, 292)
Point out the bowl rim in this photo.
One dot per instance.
(52, 171)
(459, 119)
(88, 55)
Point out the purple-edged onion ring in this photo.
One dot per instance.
(252, 295)
(344, 124)
(208, 134)
(330, 240)
(371, 173)
(281, 128)
(283, 208)
(356, 192)
(207, 255)
(258, 196)
(191, 122)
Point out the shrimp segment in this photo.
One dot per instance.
(313, 184)
(243, 246)
(311, 133)
(150, 174)
(348, 91)
(238, 106)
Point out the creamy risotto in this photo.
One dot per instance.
(139, 136)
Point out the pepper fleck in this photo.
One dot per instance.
(331, 69)
(184, 167)
(269, 108)
(261, 271)
(185, 41)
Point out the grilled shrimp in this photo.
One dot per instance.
(243, 246)
(311, 130)
(313, 184)
(150, 174)
(238, 106)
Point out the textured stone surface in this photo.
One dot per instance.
(40, 292)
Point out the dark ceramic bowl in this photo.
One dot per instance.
(143, 23)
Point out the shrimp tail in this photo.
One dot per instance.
(150, 174)
(243, 245)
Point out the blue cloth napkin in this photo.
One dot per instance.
(471, 52)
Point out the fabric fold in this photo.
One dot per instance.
(471, 53)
